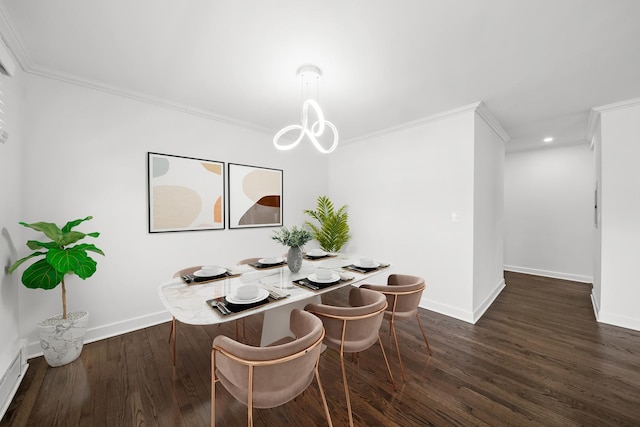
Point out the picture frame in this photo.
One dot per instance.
(255, 196)
(185, 193)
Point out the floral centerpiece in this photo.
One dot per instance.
(295, 238)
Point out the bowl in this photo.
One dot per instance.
(366, 262)
(247, 292)
(324, 274)
(316, 252)
(211, 270)
(270, 260)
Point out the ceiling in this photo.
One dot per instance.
(539, 66)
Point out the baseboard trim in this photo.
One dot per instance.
(620, 321)
(477, 314)
(547, 273)
(596, 307)
(447, 310)
(111, 330)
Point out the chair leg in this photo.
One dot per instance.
(392, 327)
(172, 340)
(324, 399)
(423, 334)
(346, 388)
(250, 398)
(213, 388)
(386, 361)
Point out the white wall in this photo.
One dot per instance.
(86, 154)
(10, 210)
(549, 212)
(620, 221)
(488, 216)
(401, 188)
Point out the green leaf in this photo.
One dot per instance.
(89, 247)
(21, 260)
(71, 237)
(41, 275)
(48, 228)
(71, 224)
(34, 244)
(66, 260)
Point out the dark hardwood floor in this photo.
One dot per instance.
(537, 357)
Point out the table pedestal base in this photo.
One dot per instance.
(276, 321)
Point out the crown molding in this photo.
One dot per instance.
(13, 40)
(596, 112)
(477, 107)
(486, 115)
(141, 97)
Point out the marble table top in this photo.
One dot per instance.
(187, 303)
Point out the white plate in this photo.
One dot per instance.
(234, 299)
(218, 272)
(316, 254)
(266, 261)
(334, 278)
(372, 265)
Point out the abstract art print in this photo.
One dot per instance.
(255, 196)
(185, 194)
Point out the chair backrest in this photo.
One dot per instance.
(188, 270)
(354, 328)
(403, 292)
(279, 373)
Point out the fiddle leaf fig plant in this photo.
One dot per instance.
(333, 230)
(59, 258)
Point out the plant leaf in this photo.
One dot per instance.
(71, 224)
(21, 260)
(48, 228)
(41, 275)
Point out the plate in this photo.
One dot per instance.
(269, 261)
(316, 254)
(374, 265)
(219, 272)
(334, 278)
(233, 298)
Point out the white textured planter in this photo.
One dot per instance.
(62, 340)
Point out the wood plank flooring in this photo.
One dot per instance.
(537, 357)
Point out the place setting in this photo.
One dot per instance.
(270, 262)
(208, 273)
(322, 278)
(243, 298)
(317, 254)
(365, 265)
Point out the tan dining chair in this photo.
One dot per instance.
(403, 294)
(266, 377)
(354, 328)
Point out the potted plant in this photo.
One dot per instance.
(295, 239)
(62, 336)
(333, 232)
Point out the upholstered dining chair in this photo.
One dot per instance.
(266, 377)
(403, 294)
(354, 328)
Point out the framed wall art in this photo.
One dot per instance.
(185, 194)
(255, 196)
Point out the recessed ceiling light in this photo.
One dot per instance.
(548, 139)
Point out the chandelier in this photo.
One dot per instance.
(309, 74)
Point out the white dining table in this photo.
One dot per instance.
(187, 303)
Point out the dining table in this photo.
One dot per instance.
(209, 302)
